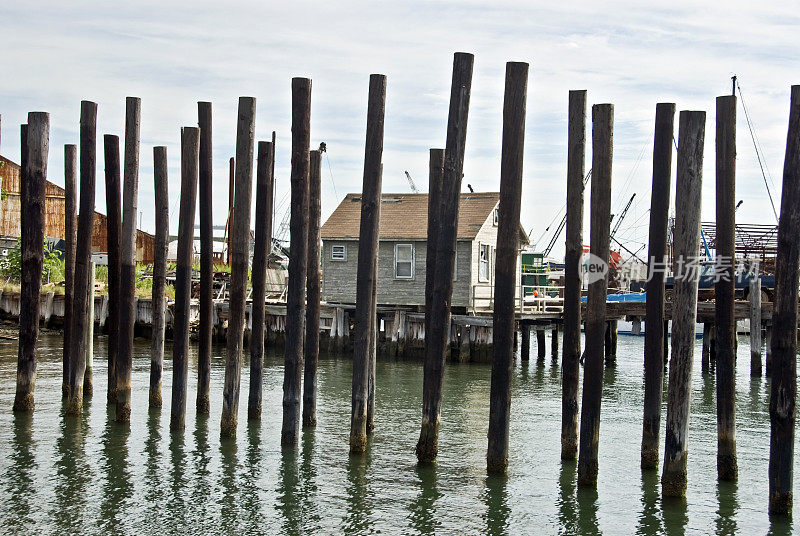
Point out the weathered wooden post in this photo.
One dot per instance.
(127, 256)
(231, 194)
(34, 177)
(190, 163)
(161, 185)
(83, 256)
(691, 136)
(768, 349)
(514, 107)
(600, 230)
(725, 322)
(435, 212)
(554, 342)
(240, 261)
(71, 235)
(312, 291)
(654, 352)
(261, 251)
(576, 150)
(705, 358)
(437, 334)
(525, 334)
(541, 346)
(365, 319)
(783, 389)
(88, 386)
(113, 233)
(755, 326)
(298, 261)
(206, 196)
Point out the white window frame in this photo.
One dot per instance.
(496, 216)
(334, 247)
(487, 261)
(402, 245)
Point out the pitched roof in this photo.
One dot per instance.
(405, 216)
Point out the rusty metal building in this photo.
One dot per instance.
(54, 219)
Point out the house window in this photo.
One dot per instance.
(484, 256)
(496, 216)
(404, 261)
(339, 253)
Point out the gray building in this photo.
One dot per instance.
(402, 250)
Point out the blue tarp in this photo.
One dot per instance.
(634, 297)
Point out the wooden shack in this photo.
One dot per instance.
(54, 215)
(402, 250)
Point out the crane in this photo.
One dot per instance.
(622, 216)
(562, 224)
(411, 183)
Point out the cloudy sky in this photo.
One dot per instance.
(172, 54)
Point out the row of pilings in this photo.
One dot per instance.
(580, 419)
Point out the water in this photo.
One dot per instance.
(89, 475)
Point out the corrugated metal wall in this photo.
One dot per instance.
(54, 215)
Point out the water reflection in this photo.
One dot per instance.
(650, 518)
(359, 505)
(178, 480)
(288, 496)
(201, 473)
(422, 516)
(249, 489)
(117, 488)
(308, 481)
(495, 496)
(229, 512)
(675, 515)
(18, 478)
(72, 472)
(587, 510)
(728, 508)
(567, 501)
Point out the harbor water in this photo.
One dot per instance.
(90, 475)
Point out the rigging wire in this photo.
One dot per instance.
(330, 172)
(761, 164)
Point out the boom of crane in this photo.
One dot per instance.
(563, 223)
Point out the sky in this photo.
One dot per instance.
(631, 54)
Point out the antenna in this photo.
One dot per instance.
(411, 183)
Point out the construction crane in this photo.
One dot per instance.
(562, 224)
(622, 216)
(411, 183)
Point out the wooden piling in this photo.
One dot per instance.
(435, 211)
(541, 346)
(311, 346)
(602, 152)
(755, 326)
(298, 261)
(127, 256)
(768, 350)
(231, 194)
(783, 388)
(554, 343)
(71, 235)
(576, 150)
(511, 162)
(525, 351)
(437, 334)
(88, 385)
(366, 314)
(34, 175)
(691, 135)
(261, 251)
(190, 163)
(83, 256)
(161, 190)
(724, 320)
(113, 233)
(705, 359)
(240, 262)
(205, 200)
